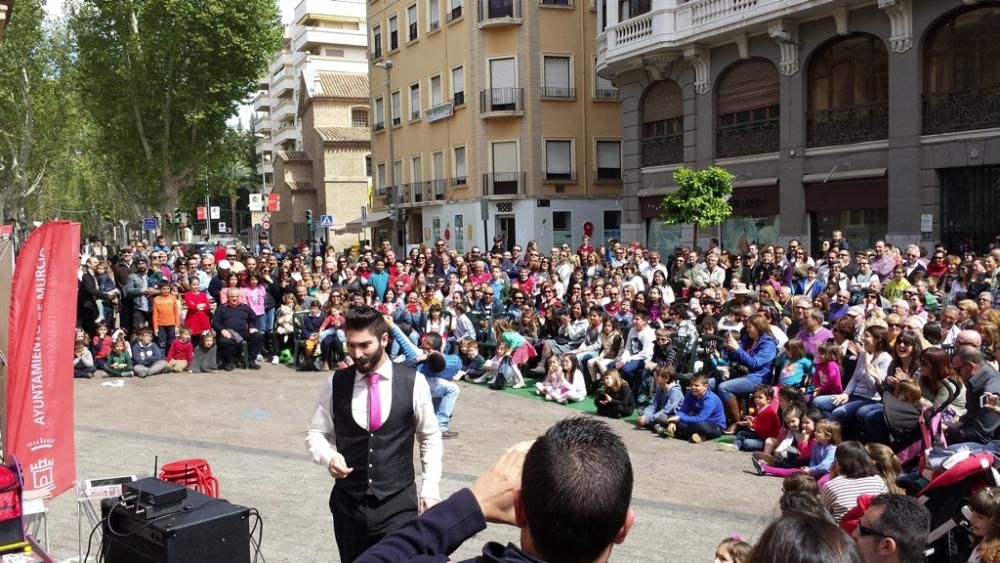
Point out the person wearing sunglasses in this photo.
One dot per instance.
(893, 528)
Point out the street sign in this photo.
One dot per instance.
(273, 202)
(926, 223)
(215, 212)
(149, 223)
(256, 202)
(201, 212)
(266, 225)
(326, 221)
(364, 215)
(222, 227)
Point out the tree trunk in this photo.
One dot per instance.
(233, 217)
(694, 242)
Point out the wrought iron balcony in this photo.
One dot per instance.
(961, 110)
(658, 151)
(503, 183)
(501, 101)
(459, 99)
(606, 94)
(438, 189)
(558, 92)
(741, 139)
(557, 2)
(499, 12)
(844, 126)
(459, 181)
(455, 13)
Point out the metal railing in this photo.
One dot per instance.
(438, 189)
(606, 93)
(558, 92)
(961, 110)
(455, 13)
(569, 176)
(438, 112)
(657, 151)
(608, 174)
(503, 183)
(842, 126)
(755, 137)
(459, 181)
(501, 99)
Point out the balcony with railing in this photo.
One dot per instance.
(498, 102)
(606, 94)
(742, 139)
(558, 92)
(504, 183)
(494, 13)
(961, 110)
(454, 13)
(311, 37)
(672, 24)
(844, 126)
(660, 151)
(439, 112)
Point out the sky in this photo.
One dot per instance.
(54, 8)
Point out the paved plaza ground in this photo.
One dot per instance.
(251, 425)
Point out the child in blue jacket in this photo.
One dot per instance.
(701, 416)
(666, 400)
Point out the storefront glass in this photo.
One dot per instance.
(738, 232)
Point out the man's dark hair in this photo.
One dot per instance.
(365, 318)
(933, 333)
(905, 520)
(577, 486)
(435, 362)
(801, 538)
(434, 340)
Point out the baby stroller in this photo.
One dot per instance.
(914, 430)
(945, 496)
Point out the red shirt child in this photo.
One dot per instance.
(181, 349)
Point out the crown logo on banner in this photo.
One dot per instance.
(41, 444)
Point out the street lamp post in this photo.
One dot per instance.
(393, 208)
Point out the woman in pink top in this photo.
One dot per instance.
(254, 295)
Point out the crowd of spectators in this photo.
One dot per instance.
(800, 356)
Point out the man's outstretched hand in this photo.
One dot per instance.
(494, 489)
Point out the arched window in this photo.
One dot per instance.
(848, 92)
(962, 72)
(748, 100)
(662, 124)
(359, 118)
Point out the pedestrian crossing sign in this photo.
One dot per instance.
(326, 221)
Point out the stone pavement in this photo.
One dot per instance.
(251, 425)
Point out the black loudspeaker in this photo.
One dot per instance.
(205, 530)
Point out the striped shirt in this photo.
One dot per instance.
(841, 493)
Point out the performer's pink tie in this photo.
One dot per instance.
(374, 404)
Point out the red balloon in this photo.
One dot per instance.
(447, 233)
(588, 228)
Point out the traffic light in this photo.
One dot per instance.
(309, 216)
(177, 215)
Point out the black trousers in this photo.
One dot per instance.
(707, 431)
(359, 523)
(229, 350)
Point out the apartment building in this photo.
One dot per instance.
(878, 118)
(497, 123)
(312, 121)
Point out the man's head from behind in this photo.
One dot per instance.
(576, 487)
(894, 528)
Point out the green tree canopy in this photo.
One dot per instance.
(702, 198)
(161, 77)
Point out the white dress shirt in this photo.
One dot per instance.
(321, 439)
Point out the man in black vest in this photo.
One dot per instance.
(363, 430)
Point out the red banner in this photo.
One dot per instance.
(40, 384)
(273, 202)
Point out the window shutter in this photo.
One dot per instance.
(557, 72)
(749, 85)
(557, 157)
(505, 157)
(663, 100)
(502, 73)
(460, 162)
(609, 154)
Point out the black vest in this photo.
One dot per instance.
(383, 460)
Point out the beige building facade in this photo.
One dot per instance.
(331, 174)
(499, 124)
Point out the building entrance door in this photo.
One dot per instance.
(969, 201)
(505, 228)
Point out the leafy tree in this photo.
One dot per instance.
(162, 76)
(701, 199)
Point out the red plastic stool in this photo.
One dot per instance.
(192, 473)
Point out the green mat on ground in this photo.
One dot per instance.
(586, 405)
